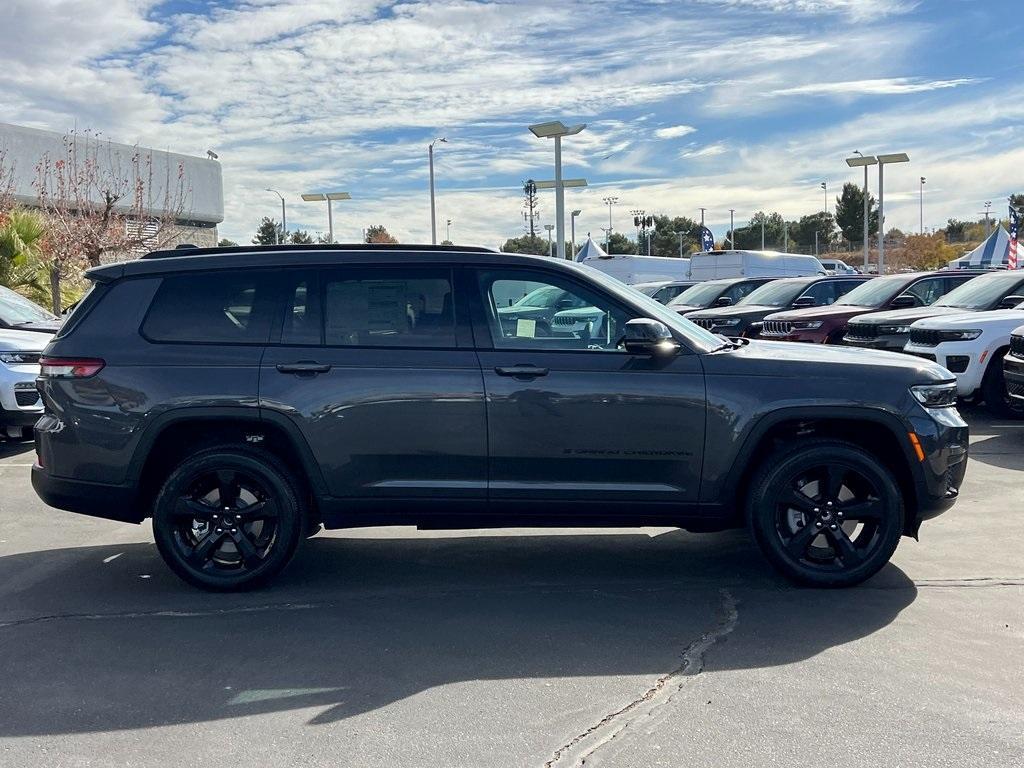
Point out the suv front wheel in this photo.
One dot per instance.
(228, 518)
(825, 513)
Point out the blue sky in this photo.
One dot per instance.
(744, 104)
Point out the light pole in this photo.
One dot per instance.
(284, 221)
(681, 235)
(549, 227)
(884, 160)
(330, 197)
(610, 201)
(856, 162)
(448, 230)
(556, 130)
(433, 214)
(702, 216)
(732, 231)
(824, 188)
(762, 233)
(988, 208)
(572, 222)
(921, 227)
(551, 184)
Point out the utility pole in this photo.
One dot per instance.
(609, 201)
(433, 214)
(732, 230)
(921, 223)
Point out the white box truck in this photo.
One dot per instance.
(711, 265)
(632, 269)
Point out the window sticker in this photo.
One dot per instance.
(526, 329)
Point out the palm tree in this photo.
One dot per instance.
(21, 241)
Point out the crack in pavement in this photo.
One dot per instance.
(146, 614)
(580, 747)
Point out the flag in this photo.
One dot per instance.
(1011, 251)
(707, 240)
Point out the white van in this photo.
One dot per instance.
(837, 267)
(632, 269)
(711, 265)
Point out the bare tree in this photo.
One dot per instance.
(104, 204)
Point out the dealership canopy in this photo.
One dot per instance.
(991, 253)
(590, 250)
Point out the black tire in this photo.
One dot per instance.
(993, 391)
(825, 513)
(228, 518)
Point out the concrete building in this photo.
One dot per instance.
(198, 194)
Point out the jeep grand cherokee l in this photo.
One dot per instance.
(243, 397)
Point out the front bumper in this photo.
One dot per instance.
(944, 438)
(959, 358)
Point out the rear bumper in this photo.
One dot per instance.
(111, 502)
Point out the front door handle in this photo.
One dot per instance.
(303, 367)
(521, 371)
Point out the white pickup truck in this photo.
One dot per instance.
(972, 346)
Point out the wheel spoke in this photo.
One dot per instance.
(260, 510)
(799, 500)
(227, 487)
(204, 548)
(844, 547)
(833, 482)
(246, 548)
(191, 509)
(870, 509)
(797, 545)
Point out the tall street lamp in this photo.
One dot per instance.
(884, 160)
(284, 221)
(433, 214)
(549, 227)
(732, 231)
(921, 223)
(330, 197)
(556, 130)
(856, 162)
(610, 201)
(572, 222)
(824, 188)
(448, 231)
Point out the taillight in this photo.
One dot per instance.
(69, 367)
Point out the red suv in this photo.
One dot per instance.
(827, 324)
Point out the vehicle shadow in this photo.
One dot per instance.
(15, 447)
(998, 442)
(88, 644)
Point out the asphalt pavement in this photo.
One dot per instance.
(394, 647)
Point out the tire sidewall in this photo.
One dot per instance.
(761, 513)
(290, 515)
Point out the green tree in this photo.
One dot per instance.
(301, 237)
(956, 230)
(665, 237)
(803, 232)
(269, 232)
(378, 233)
(620, 244)
(225, 243)
(749, 237)
(850, 213)
(526, 244)
(21, 243)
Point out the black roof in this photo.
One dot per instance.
(194, 250)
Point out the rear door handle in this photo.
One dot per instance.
(303, 367)
(521, 371)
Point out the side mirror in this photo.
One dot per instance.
(1010, 302)
(723, 301)
(565, 303)
(648, 337)
(905, 301)
(805, 301)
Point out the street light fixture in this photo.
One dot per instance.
(284, 221)
(732, 231)
(921, 223)
(572, 221)
(824, 188)
(549, 227)
(857, 162)
(433, 214)
(448, 231)
(330, 197)
(555, 129)
(609, 201)
(884, 160)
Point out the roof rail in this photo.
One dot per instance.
(187, 249)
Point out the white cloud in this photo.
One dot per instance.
(709, 150)
(674, 131)
(874, 87)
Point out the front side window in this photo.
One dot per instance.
(578, 318)
(740, 290)
(369, 307)
(211, 307)
(928, 291)
(777, 293)
(823, 293)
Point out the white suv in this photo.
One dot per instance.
(20, 406)
(971, 346)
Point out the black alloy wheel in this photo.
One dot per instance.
(827, 514)
(228, 518)
(997, 398)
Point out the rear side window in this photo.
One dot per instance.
(211, 307)
(369, 307)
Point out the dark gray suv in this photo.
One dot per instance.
(245, 397)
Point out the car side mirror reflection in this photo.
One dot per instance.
(805, 301)
(904, 301)
(648, 337)
(1011, 301)
(723, 301)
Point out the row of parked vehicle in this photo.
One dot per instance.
(25, 329)
(963, 320)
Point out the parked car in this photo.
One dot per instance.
(972, 346)
(747, 316)
(712, 265)
(837, 267)
(890, 330)
(632, 269)
(663, 291)
(20, 405)
(539, 306)
(20, 314)
(381, 386)
(716, 293)
(1013, 367)
(827, 325)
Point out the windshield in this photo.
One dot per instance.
(648, 289)
(701, 295)
(979, 293)
(778, 293)
(702, 340)
(16, 309)
(545, 297)
(875, 292)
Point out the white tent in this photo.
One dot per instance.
(991, 253)
(590, 250)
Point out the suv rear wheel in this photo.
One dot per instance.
(825, 513)
(228, 518)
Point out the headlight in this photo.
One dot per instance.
(18, 358)
(969, 335)
(890, 330)
(935, 395)
(808, 325)
(728, 322)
